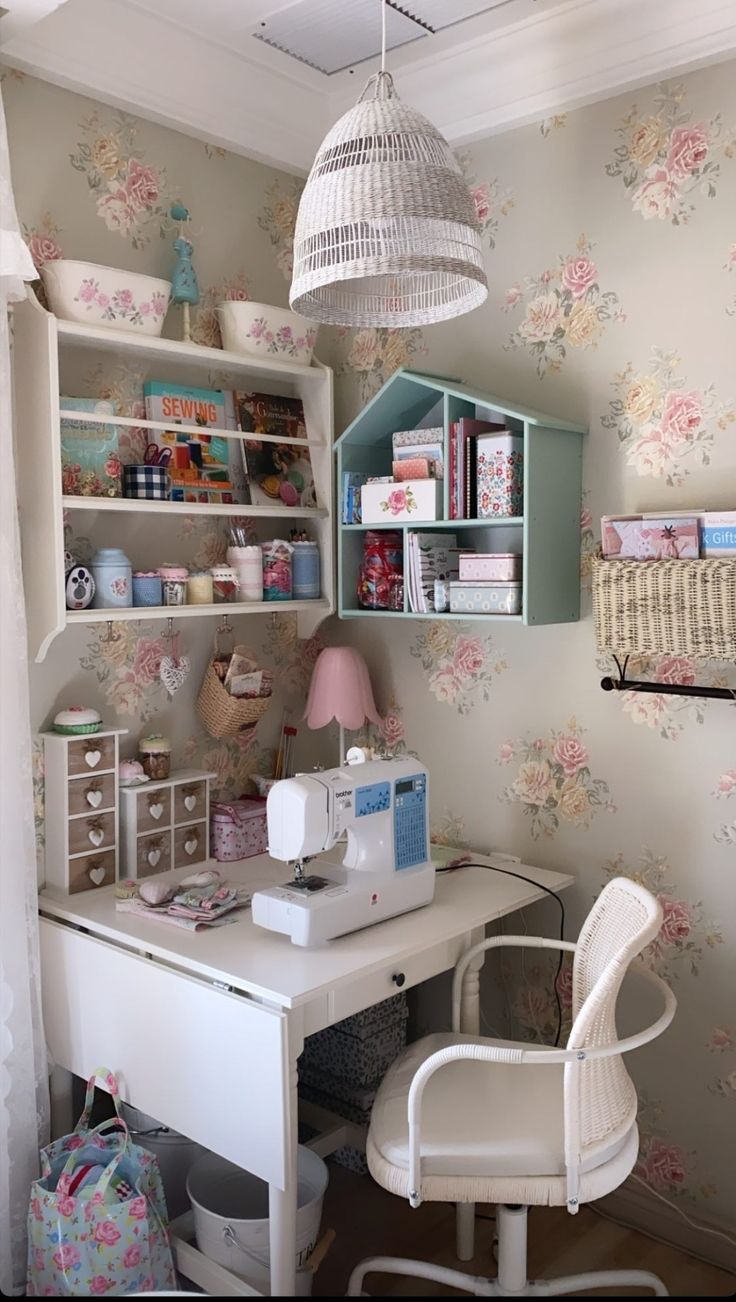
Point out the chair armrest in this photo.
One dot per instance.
(497, 942)
(479, 1052)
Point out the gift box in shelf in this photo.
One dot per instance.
(500, 475)
(486, 567)
(485, 598)
(90, 463)
(414, 499)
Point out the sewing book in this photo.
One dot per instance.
(179, 405)
(276, 472)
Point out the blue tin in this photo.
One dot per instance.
(305, 571)
(147, 589)
(113, 576)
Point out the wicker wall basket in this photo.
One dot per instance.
(224, 715)
(665, 607)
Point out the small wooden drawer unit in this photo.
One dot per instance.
(166, 824)
(81, 795)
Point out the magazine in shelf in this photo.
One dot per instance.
(277, 473)
(90, 463)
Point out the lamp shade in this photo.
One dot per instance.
(387, 233)
(340, 689)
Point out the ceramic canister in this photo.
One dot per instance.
(305, 571)
(113, 576)
(147, 588)
(248, 562)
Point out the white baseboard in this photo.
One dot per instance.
(636, 1207)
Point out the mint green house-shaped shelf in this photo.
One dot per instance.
(547, 534)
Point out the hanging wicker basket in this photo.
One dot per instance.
(666, 607)
(224, 715)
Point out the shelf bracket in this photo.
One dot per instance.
(624, 684)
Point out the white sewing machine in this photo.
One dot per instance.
(382, 806)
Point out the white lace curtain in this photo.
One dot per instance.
(24, 1105)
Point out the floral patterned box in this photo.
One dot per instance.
(500, 473)
(485, 598)
(414, 499)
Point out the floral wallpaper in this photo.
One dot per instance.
(612, 302)
(611, 256)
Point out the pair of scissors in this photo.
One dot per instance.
(156, 456)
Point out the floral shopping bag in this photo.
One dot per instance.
(97, 1220)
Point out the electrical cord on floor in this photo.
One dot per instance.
(456, 865)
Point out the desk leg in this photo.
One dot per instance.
(282, 1204)
(469, 1025)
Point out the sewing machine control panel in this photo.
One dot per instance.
(410, 821)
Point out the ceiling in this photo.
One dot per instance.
(266, 78)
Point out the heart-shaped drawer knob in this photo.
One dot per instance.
(94, 797)
(153, 857)
(190, 803)
(155, 809)
(92, 757)
(96, 836)
(96, 874)
(191, 845)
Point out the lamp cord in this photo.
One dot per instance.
(383, 35)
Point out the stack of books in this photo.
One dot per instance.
(430, 556)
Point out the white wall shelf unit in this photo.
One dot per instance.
(47, 355)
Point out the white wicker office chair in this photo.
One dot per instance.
(463, 1119)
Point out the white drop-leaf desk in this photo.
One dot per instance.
(204, 1029)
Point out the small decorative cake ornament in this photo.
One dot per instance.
(131, 774)
(77, 720)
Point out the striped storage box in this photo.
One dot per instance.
(151, 482)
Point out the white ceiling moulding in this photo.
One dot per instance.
(195, 66)
(18, 16)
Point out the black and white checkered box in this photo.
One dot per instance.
(146, 481)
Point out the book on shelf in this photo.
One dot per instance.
(464, 434)
(352, 482)
(430, 556)
(90, 463)
(275, 472)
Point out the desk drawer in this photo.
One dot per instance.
(415, 969)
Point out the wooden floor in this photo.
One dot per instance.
(371, 1222)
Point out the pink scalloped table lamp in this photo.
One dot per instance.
(340, 689)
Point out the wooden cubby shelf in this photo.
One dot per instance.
(548, 532)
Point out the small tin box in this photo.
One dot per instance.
(414, 499)
(500, 475)
(485, 567)
(239, 829)
(485, 598)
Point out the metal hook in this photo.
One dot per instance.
(224, 626)
(111, 637)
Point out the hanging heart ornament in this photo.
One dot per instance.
(174, 672)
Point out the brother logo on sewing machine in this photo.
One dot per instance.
(385, 869)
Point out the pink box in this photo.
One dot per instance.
(489, 567)
(239, 829)
(650, 538)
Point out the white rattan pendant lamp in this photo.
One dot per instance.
(386, 233)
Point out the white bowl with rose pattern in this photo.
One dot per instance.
(260, 330)
(106, 296)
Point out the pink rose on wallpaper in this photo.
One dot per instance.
(586, 519)
(564, 986)
(578, 275)
(392, 728)
(43, 248)
(571, 754)
(682, 415)
(727, 783)
(656, 195)
(721, 1039)
(106, 1232)
(506, 752)
(676, 920)
(66, 1257)
(147, 662)
(99, 1284)
(534, 782)
(468, 658)
(116, 212)
(675, 669)
(515, 294)
(141, 185)
(688, 151)
(663, 1164)
(132, 1255)
(653, 454)
(481, 196)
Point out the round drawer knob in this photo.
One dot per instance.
(398, 979)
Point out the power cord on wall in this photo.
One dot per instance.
(456, 864)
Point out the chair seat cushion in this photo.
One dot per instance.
(478, 1119)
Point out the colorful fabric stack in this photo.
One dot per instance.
(342, 1066)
